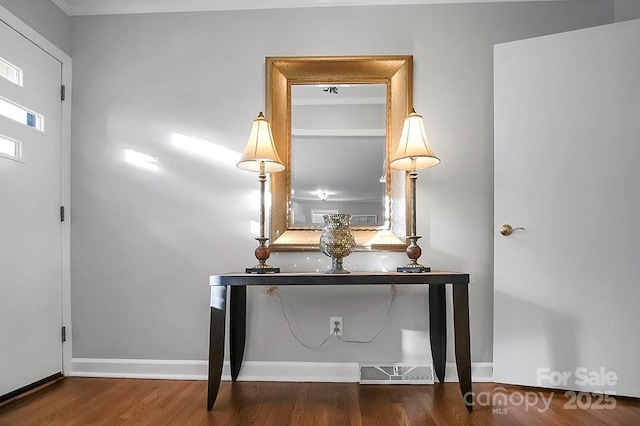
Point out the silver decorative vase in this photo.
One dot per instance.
(337, 240)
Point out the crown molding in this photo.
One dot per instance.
(63, 5)
(116, 7)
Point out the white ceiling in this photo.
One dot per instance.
(107, 7)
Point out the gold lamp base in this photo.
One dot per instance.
(410, 268)
(262, 254)
(262, 269)
(413, 253)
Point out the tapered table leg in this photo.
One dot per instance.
(438, 329)
(463, 341)
(216, 342)
(237, 328)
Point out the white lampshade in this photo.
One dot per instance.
(414, 151)
(261, 149)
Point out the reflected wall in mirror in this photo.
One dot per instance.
(335, 122)
(338, 140)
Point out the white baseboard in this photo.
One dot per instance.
(270, 371)
(139, 368)
(480, 372)
(255, 371)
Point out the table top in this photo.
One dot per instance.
(353, 278)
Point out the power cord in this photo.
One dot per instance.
(284, 313)
(274, 290)
(386, 321)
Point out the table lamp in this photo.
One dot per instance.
(413, 153)
(260, 156)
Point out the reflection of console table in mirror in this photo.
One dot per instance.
(234, 286)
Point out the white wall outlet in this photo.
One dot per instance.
(336, 326)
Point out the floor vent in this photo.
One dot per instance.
(385, 374)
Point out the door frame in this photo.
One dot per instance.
(65, 182)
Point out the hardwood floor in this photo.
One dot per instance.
(96, 401)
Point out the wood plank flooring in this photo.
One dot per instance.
(97, 401)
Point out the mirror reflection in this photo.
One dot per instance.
(338, 147)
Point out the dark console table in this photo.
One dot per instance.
(234, 286)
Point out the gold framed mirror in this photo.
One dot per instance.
(396, 74)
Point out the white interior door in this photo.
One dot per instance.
(567, 147)
(30, 229)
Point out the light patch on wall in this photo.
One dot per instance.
(414, 346)
(143, 161)
(204, 148)
(254, 227)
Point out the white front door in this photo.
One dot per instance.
(30, 229)
(567, 155)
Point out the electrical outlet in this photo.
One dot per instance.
(336, 323)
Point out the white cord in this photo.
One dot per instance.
(284, 313)
(386, 321)
(274, 290)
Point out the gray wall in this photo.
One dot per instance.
(626, 10)
(44, 17)
(144, 242)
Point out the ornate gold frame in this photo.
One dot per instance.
(283, 72)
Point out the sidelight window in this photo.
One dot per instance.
(10, 148)
(22, 115)
(10, 72)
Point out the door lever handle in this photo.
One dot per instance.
(507, 229)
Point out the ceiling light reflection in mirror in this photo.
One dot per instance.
(338, 142)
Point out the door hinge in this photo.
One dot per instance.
(64, 334)
(63, 92)
(61, 213)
